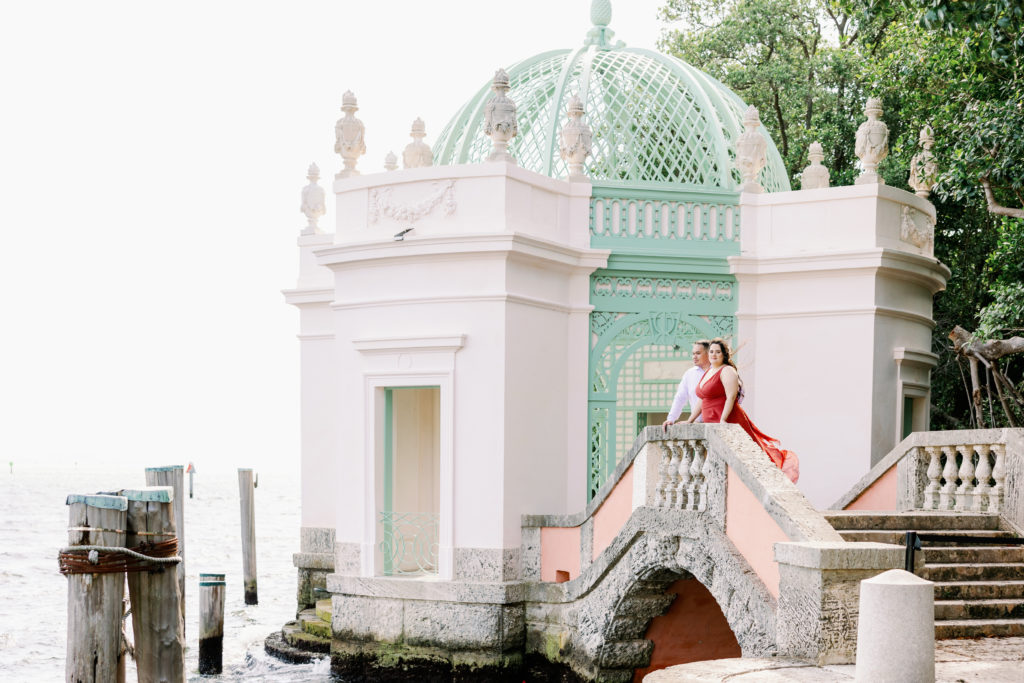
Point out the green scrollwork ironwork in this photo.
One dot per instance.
(409, 542)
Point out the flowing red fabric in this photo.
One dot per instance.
(712, 402)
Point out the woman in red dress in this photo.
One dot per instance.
(717, 391)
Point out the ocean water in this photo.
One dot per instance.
(33, 594)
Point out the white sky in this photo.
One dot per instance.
(151, 158)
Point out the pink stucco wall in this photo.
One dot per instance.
(613, 513)
(559, 551)
(752, 530)
(881, 495)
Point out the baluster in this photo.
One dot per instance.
(706, 472)
(984, 475)
(931, 491)
(965, 492)
(947, 494)
(995, 498)
(683, 473)
(695, 478)
(672, 477)
(661, 496)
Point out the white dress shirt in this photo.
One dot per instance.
(686, 393)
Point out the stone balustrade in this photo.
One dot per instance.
(973, 470)
(683, 475)
(964, 477)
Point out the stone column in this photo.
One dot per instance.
(819, 588)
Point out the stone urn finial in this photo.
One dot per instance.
(390, 162)
(923, 168)
(576, 140)
(417, 153)
(348, 136)
(815, 176)
(872, 143)
(313, 205)
(751, 151)
(500, 118)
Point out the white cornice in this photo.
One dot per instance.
(840, 312)
(923, 270)
(315, 337)
(462, 245)
(925, 359)
(546, 304)
(406, 344)
(302, 297)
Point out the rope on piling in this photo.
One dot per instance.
(101, 559)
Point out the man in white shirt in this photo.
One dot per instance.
(687, 391)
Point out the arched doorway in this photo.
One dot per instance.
(636, 361)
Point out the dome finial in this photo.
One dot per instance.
(600, 35)
(601, 12)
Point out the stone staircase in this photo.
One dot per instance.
(979, 589)
(301, 640)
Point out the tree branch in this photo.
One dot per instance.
(995, 207)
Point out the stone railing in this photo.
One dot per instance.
(970, 470)
(714, 470)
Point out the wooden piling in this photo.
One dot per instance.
(174, 476)
(247, 503)
(211, 623)
(95, 600)
(156, 603)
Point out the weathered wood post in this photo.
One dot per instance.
(156, 603)
(191, 474)
(211, 623)
(174, 476)
(94, 599)
(247, 502)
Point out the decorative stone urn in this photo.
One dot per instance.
(815, 176)
(500, 118)
(872, 143)
(923, 168)
(390, 162)
(348, 136)
(576, 140)
(417, 153)
(313, 205)
(751, 151)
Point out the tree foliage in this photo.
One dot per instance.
(809, 65)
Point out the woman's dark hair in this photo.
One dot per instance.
(726, 352)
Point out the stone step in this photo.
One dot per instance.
(978, 590)
(323, 609)
(977, 554)
(313, 624)
(979, 628)
(897, 537)
(995, 571)
(843, 520)
(979, 609)
(307, 642)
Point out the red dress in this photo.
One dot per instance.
(712, 402)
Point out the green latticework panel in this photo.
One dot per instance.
(635, 358)
(654, 119)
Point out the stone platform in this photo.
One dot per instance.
(985, 660)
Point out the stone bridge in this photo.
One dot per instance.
(699, 502)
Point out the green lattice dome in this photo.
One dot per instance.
(655, 118)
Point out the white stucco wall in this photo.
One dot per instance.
(828, 291)
(485, 297)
